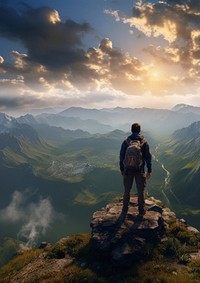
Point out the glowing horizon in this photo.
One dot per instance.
(117, 55)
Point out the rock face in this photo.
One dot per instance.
(126, 238)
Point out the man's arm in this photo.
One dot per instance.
(147, 157)
(122, 155)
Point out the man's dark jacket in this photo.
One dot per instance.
(146, 155)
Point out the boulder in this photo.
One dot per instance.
(125, 237)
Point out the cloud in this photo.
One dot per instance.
(114, 67)
(54, 60)
(177, 22)
(48, 40)
(40, 217)
(175, 57)
(13, 212)
(56, 69)
(17, 102)
(105, 68)
(35, 218)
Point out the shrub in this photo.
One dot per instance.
(181, 232)
(175, 228)
(171, 247)
(195, 267)
(73, 246)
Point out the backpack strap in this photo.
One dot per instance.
(128, 141)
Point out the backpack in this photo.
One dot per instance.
(133, 157)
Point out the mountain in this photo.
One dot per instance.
(27, 119)
(184, 108)
(188, 133)
(54, 134)
(157, 121)
(73, 123)
(6, 122)
(13, 127)
(19, 144)
(66, 176)
(160, 122)
(74, 172)
(181, 155)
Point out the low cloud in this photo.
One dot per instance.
(41, 216)
(13, 212)
(34, 218)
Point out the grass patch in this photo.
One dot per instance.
(75, 246)
(180, 231)
(8, 249)
(160, 265)
(165, 272)
(76, 274)
(16, 264)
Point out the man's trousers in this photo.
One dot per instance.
(140, 181)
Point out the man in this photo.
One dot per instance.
(130, 173)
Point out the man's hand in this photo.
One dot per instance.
(148, 175)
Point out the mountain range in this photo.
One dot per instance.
(157, 121)
(68, 162)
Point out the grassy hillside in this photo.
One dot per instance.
(73, 259)
(181, 154)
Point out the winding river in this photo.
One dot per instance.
(166, 188)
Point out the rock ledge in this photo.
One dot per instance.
(125, 238)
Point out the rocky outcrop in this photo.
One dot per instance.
(114, 244)
(126, 238)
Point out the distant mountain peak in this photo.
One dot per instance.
(179, 106)
(190, 132)
(4, 118)
(185, 108)
(7, 122)
(27, 119)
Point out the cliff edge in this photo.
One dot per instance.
(157, 247)
(125, 237)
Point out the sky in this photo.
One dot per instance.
(99, 53)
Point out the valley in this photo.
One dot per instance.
(53, 179)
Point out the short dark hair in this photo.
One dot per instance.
(135, 128)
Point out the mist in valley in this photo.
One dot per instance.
(59, 168)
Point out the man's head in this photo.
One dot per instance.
(135, 128)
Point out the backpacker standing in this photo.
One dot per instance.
(134, 157)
